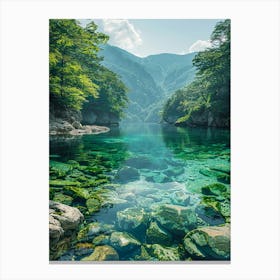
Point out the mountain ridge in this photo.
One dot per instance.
(150, 80)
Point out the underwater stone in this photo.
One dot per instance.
(180, 198)
(215, 189)
(63, 198)
(127, 174)
(132, 219)
(123, 242)
(163, 253)
(174, 171)
(210, 243)
(77, 192)
(155, 234)
(93, 205)
(103, 253)
(60, 168)
(101, 239)
(209, 215)
(176, 219)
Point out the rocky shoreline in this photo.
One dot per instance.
(63, 127)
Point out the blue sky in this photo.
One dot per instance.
(144, 37)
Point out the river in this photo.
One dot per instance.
(120, 179)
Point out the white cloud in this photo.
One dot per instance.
(122, 33)
(199, 45)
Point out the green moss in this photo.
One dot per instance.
(77, 192)
(62, 183)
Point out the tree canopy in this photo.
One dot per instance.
(76, 75)
(210, 90)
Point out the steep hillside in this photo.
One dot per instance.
(150, 80)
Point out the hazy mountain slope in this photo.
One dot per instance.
(150, 80)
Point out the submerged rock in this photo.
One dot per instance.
(216, 189)
(93, 205)
(64, 221)
(63, 198)
(176, 219)
(162, 253)
(127, 174)
(103, 253)
(209, 215)
(132, 219)
(180, 198)
(210, 243)
(93, 229)
(142, 162)
(123, 242)
(155, 234)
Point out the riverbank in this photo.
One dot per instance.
(63, 127)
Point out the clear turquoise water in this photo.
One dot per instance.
(165, 163)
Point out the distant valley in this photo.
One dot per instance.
(150, 80)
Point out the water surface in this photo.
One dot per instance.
(137, 166)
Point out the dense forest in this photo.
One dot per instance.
(205, 101)
(78, 81)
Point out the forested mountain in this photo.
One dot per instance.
(149, 80)
(205, 101)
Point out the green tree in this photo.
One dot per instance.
(73, 61)
(210, 90)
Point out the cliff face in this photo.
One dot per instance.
(98, 117)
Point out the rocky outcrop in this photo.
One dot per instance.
(68, 122)
(62, 127)
(64, 221)
(209, 243)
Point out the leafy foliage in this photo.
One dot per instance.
(210, 90)
(76, 75)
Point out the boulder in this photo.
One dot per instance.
(156, 234)
(176, 219)
(208, 243)
(127, 174)
(132, 219)
(103, 253)
(64, 222)
(163, 253)
(123, 242)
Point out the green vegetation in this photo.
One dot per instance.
(76, 76)
(206, 101)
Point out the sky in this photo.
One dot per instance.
(144, 37)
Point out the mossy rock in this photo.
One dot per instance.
(163, 253)
(62, 183)
(103, 253)
(60, 168)
(93, 205)
(221, 168)
(77, 192)
(95, 183)
(156, 234)
(215, 189)
(223, 178)
(208, 243)
(144, 255)
(63, 198)
(101, 239)
(209, 215)
(124, 242)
